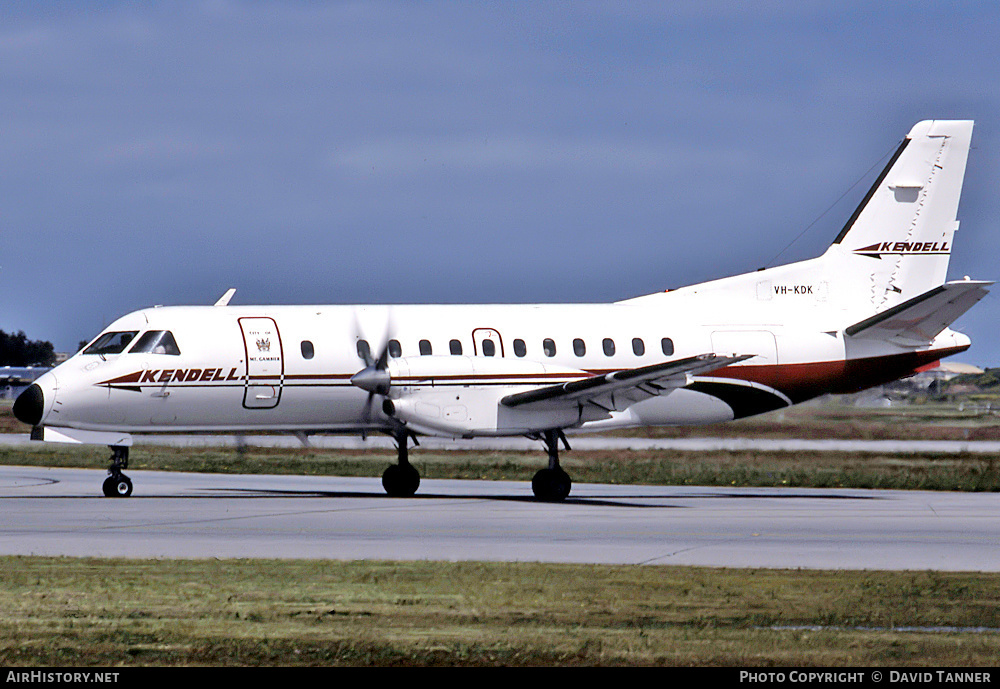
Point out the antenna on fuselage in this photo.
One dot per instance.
(224, 299)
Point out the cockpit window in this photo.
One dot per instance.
(156, 342)
(111, 343)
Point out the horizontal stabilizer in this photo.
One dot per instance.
(919, 320)
(630, 385)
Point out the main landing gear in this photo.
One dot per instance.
(117, 484)
(401, 480)
(552, 484)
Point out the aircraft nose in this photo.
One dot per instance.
(29, 406)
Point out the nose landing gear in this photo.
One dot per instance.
(117, 484)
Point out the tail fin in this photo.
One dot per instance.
(900, 237)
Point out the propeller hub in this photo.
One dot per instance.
(372, 380)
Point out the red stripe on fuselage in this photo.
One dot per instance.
(805, 381)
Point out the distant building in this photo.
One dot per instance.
(949, 369)
(14, 379)
(931, 380)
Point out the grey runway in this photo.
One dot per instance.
(61, 512)
(579, 442)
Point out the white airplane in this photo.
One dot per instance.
(874, 307)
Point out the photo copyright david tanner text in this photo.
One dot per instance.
(856, 676)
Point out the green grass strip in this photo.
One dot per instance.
(80, 612)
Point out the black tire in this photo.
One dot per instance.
(551, 485)
(401, 481)
(117, 487)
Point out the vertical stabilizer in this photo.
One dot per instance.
(899, 239)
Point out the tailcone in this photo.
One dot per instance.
(962, 340)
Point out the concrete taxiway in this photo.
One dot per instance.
(62, 512)
(578, 442)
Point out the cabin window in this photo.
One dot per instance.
(455, 347)
(395, 349)
(579, 347)
(111, 343)
(549, 347)
(519, 348)
(489, 349)
(308, 352)
(667, 345)
(638, 346)
(609, 346)
(364, 351)
(156, 342)
(425, 348)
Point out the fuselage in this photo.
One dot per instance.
(289, 368)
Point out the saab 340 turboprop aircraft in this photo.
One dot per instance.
(874, 307)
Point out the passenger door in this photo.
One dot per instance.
(265, 371)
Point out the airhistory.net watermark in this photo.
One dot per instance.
(55, 677)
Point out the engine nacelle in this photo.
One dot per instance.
(459, 396)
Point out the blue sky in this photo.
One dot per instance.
(444, 151)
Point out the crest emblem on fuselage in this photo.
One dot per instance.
(264, 345)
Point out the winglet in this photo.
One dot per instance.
(224, 299)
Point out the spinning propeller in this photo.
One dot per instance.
(374, 377)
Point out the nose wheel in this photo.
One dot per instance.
(117, 484)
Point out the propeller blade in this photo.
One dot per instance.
(381, 362)
(364, 349)
(367, 416)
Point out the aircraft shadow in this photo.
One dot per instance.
(589, 500)
(481, 497)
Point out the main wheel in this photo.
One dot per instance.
(117, 486)
(551, 485)
(401, 481)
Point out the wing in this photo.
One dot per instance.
(919, 320)
(620, 389)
